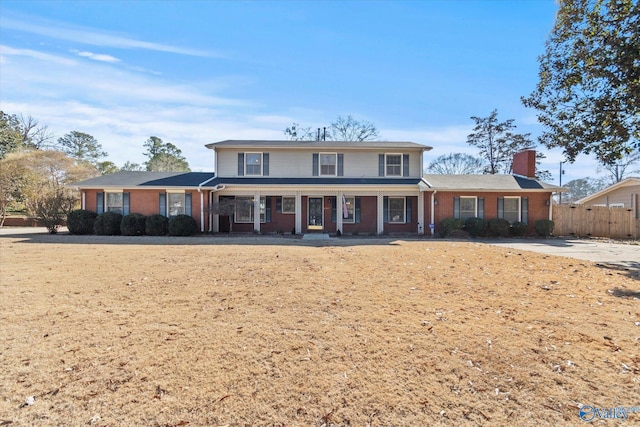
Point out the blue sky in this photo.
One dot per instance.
(196, 72)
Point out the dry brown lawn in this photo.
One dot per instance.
(211, 331)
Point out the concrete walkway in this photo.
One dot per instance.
(623, 254)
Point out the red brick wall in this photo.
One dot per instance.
(147, 202)
(444, 209)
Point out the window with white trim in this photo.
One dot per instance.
(176, 204)
(468, 207)
(349, 205)
(114, 202)
(245, 209)
(396, 210)
(328, 164)
(288, 205)
(512, 209)
(253, 163)
(393, 164)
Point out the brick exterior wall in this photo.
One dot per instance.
(147, 202)
(444, 209)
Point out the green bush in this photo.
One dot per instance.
(182, 225)
(475, 226)
(518, 228)
(499, 227)
(133, 225)
(81, 221)
(156, 225)
(107, 224)
(449, 225)
(544, 227)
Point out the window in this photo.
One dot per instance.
(393, 164)
(244, 209)
(396, 212)
(468, 207)
(328, 162)
(349, 207)
(288, 205)
(115, 203)
(176, 204)
(512, 209)
(253, 163)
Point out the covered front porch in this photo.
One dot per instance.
(343, 211)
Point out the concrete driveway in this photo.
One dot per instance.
(625, 255)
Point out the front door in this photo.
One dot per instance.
(315, 213)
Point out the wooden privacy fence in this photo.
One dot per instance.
(595, 221)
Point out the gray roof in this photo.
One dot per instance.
(393, 145)
(486, 183)
(131, 179)
(314, 181)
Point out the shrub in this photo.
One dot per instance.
(449, 225)
(544, 227)
(499, 227)
(182, 225)
(518, 228)
(107, 224)
(133, 225)
(475, 226)
(156, 225)
(81, 221)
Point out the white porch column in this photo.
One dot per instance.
(420, 212)
(83, 203)
(214, 218)
(339, 213)
(433, 212)
(298, 212)
(256, 212)
(380, 212)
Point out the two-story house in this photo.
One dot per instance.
(370, 187)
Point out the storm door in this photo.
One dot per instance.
(315, 213)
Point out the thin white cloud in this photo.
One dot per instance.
(96, 56)
(90, 36)
(9, 51)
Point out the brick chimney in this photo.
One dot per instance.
(524, 163)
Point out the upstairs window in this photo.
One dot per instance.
(253, 164)
(328, 164)
(393, 165)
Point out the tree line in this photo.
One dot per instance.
(35, 169)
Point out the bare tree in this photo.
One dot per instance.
(626, 166)
(34, 134)
(350, 129)
(456, 164)
(342, 129)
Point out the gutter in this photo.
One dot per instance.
(214, 189)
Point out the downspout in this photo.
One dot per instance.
(433, 213)
(202, 200)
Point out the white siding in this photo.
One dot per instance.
(288, 164)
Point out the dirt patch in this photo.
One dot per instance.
(210, 331)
